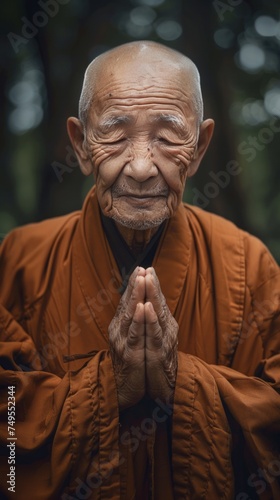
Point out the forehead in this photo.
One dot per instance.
(128, 83)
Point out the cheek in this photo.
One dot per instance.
(173, 166)
(107, 164)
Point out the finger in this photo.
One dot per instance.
(150, 270)
(138, 271)
(155, 295)
(141, 271)
(131, 283)
(136, 332)
(154, 334)
(130, 333)
(138, 292)
(139, 315)
(129, 306)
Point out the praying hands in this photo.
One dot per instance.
(143, 341)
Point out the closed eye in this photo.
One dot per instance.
(117, 142)
(166, 142)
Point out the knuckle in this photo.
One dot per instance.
(126, 317)
(157, 340)
(164, 312)
(157, 332)
(132, 339)
(135, 332)
(125, 320)
(112, 332)
(162, 315)
(155, 327)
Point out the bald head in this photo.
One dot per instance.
(147, 58)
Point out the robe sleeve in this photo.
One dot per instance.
(207, 394)
(65, 429)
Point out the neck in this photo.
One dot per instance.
(136, 240)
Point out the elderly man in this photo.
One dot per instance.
(140, 337)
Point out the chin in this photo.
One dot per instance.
(140, 224)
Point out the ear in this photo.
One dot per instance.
(75, 131)
(205, 135)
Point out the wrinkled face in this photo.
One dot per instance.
(141, 137)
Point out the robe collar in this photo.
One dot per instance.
(97, 271)
(126, 261)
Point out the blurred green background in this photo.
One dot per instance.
(45, 48)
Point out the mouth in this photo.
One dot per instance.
(142, 200)
(142, 196)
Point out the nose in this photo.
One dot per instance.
(141, 166)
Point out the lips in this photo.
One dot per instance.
(143, 202)
(141, 197)
(140, 192)
(144, 195)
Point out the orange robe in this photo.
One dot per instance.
(58, 293)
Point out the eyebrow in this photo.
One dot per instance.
(113, 121)
(175, 120)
